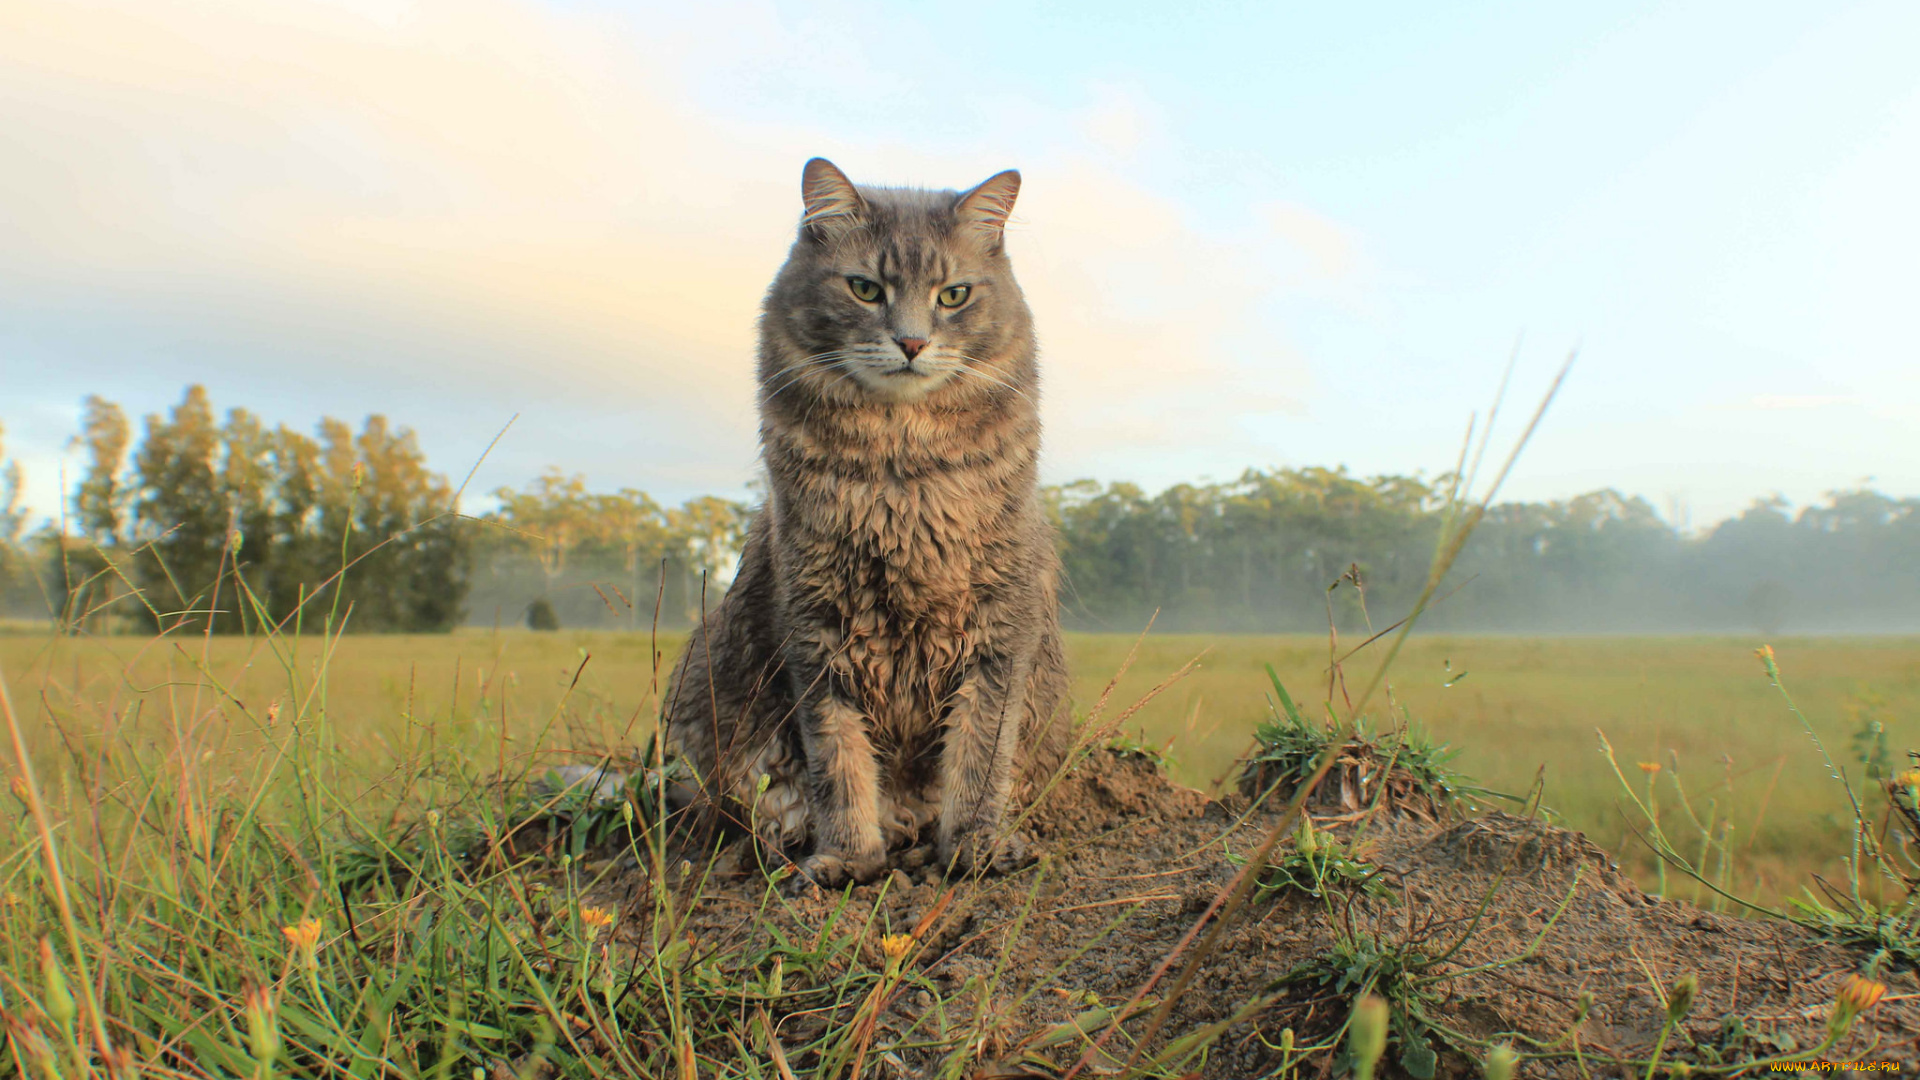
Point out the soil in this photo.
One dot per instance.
(1131, 861)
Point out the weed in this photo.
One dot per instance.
(1160, 756)
(1401, 769)
(1316, 865)
(1888, 935)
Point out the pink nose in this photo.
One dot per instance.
(911, 345)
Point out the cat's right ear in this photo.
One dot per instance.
(833, 206)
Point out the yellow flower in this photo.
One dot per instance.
(896, 947)
(1649, 767)
(1765, 653)
(303, 935)
(19, 787)
(1910, 778)
(303, 938)
(597, 919)
(1855, 996)
(1860, 994)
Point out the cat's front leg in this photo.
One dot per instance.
(844, 777)
(982, 739)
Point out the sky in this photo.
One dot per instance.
(1253, 235)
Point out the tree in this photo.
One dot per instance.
(15, 568)
(552, 516)
(92, 570)
(102, 503)
(299, 552)
(634, 525)
(415, 572)
(237, 526)
(183, 518)
(712, 531)
(13, 516)
(541, 616)
(600, 557)
(365, 531)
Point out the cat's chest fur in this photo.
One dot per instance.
(890, 531)
(900, 568)
(896, 567)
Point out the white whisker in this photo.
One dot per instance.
(784, 379)
(975, 367)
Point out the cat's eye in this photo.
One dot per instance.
(865, 290)
(954, 295)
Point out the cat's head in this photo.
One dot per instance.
(897, 295)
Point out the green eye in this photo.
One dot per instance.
(954, 295)
(864, 290)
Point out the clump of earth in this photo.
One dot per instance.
(1132, 860)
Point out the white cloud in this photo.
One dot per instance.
(1118, 121)
(1330, 250)
(495, 196)
(1149, 330)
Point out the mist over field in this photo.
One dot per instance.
(151, 525)
(1275, 551)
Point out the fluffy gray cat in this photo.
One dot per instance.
(888, 657)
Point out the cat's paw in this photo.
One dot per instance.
(985, 851)
(824, 870)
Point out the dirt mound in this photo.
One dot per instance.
(1130, 861)
(1500, 842)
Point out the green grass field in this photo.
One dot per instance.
(239, 856)
(1512, 706)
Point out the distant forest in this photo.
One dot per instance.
(225, 521)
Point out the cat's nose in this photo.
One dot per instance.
(911, 345)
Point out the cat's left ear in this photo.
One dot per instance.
(988, 206)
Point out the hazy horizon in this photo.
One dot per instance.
(477, 499)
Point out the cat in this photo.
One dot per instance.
(888, 656)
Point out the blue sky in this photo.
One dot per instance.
(1259, 234)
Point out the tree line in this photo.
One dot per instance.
(223, 523)
(1292, 549)
(226, 524)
